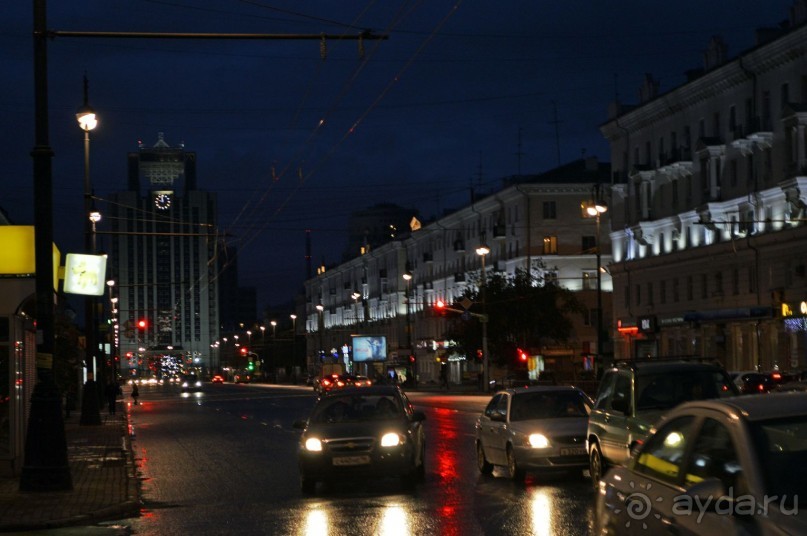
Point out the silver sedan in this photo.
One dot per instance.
(541, 428)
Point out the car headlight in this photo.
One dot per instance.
(184, 384)
(198, 384)
(312, 444)
(538, 441)
(391, 439)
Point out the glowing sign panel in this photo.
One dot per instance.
(85, 274)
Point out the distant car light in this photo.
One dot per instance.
(390, 440)
(538, 441)
(312, 444)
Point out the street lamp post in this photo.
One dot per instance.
(356, 295)
(45, 467)
(273, 353)
(293, 342)
(320, 328)
(407, 276)
(90, 410)
(482, 251)
(597, 209)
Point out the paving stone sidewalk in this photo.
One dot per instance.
(102, 470)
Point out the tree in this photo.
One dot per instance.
(524, 311)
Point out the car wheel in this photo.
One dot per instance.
(596, 465)
(485, 467)
(513, 470)
(308, 485)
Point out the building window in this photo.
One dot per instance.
(718, 284)
(626, 297)
(662, 292)
(550, 245)
(675, 295)
(550, 210)
(589, 244)
(638, 294)
(690, 289)
(650, 294)
(735, 282)
(704, 286)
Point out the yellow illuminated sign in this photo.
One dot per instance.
(787, 310)
(17, 253)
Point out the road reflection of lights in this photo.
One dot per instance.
(393, 522)
(316, 521)
(541, 512)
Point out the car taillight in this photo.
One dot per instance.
(776, 376)
(325, 382)
(761, 387)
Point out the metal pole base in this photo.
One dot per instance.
(45, 467)
(90, 406)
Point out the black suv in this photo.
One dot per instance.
(634, 394)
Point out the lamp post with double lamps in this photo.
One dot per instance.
(483, 251)
(596, 209)
(90, 410)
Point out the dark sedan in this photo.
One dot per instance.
(359, 432)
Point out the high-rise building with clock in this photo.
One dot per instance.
(163, 241)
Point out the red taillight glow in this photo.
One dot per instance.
(761, 387)
(326, 382)
(776, 376)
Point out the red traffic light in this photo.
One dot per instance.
(142, 324)
(411, 359)
(522, 355)
(244, 350)
(439, 304)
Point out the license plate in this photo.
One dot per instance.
(573, 451)
(351, 460)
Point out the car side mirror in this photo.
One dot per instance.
(621, 405)
(418, 416)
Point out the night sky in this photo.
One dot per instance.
(460, 95)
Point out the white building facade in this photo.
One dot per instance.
(708, 198)
(540, 223)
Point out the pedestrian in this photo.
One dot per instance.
(444, 376)
(135, 393)
(111, 392)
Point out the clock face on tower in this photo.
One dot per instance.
(162, 201)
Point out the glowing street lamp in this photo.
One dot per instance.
(483, 251)
(597, 209)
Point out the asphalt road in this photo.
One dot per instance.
(223, 461)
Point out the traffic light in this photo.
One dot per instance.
(142, 324)
(522, 355)
(440, 307)
(244, 350)
(251, 365)
(411, 359)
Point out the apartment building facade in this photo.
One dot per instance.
(532, 221)
(708, 206)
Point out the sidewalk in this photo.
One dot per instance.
(102, 469)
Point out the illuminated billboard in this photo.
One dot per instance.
(85, 274)
(368, 348)
(17, 256)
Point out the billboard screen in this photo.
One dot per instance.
(368, 348)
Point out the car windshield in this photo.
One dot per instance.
(548, 405)
(666, 390)
(356, 408)
(781, 447)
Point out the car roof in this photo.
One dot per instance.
(541, 389)
(755, 407)
(369, 390)
(641, 366)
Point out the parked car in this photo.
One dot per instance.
(541, 428)
(634, 394)
(752, 382)
(727, 466)
(360, 432)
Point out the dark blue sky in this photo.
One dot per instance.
(291, 142)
